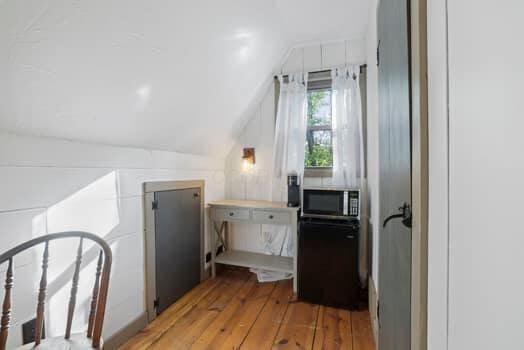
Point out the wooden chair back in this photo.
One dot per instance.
(99, 294)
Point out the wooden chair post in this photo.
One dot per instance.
(41, 296)
(94, 298)
(6, 306)
(102, 299)
(74, 290)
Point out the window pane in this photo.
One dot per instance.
(319, 149)
(319, 107)
(319, 152)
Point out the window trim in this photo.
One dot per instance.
(320, 128)
(318, 171)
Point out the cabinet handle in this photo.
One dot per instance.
(231, 214)
(271, 216)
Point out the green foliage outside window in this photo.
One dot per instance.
(319, 156)
(319, 149)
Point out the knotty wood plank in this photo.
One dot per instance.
(361, 330)
(166, 319)
(230, 328)
(216, 327)
(265, 329)
(298, 328)
(192, 324)
(220, 312)
(333, 331)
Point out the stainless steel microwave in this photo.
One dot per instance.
(332, 203)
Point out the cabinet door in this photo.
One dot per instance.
(177, 240)
(328, 265)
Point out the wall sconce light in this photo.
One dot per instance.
(248, 159)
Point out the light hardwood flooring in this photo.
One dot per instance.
(234, 311)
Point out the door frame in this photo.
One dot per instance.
(438, 165)
(149, 189)
(419, 173)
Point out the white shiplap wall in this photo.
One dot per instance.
(50, 185)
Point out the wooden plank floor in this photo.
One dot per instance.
(234, 311)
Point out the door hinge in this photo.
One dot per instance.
(156, 302)
(154, 205)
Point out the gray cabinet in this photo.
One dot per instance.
(174, 239)
(177, 244)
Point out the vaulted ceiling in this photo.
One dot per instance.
(162, 74)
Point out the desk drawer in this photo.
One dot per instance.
(231, 214)
(271, 217)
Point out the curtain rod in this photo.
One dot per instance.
(362, 67)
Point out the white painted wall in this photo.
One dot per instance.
(372, 136)
(324, 55)
(438, 176)
(486, 168)
(373, 158)
(259, 132)
(486, 175)
(49, 185)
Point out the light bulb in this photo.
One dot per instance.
(247, 165)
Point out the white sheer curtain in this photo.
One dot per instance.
(348, 147)
(288, 157)
(290, 132)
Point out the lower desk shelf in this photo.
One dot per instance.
(255, 260)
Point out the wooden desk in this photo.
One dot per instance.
(254, 212)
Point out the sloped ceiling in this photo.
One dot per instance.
(161, 74)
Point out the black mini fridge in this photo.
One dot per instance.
(328, 262)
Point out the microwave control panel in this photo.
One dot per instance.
(354, 203)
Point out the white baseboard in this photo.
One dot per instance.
(126, 333)
(373, 302)
(135, 326)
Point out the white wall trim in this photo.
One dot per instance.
(438, 220)
(373, 302)
(126, 333)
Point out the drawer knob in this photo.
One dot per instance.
(231, 214)
(271, 216)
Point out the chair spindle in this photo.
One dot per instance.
(6, 306)
(102, 300)
(94, 298)
(74, 290)
(41, 296)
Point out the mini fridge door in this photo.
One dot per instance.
(328, 264)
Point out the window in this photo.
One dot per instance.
(319, 146)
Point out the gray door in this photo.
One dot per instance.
(394, 287)
(177, 244)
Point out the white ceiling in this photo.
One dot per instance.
(163, 74)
